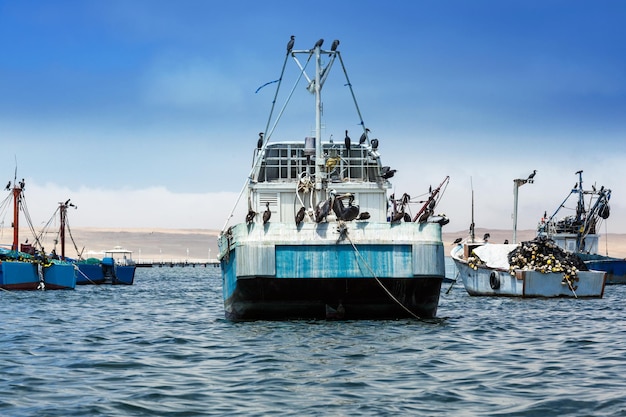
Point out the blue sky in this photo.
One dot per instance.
(144, 113)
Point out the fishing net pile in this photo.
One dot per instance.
(545, 256)
(541, 255)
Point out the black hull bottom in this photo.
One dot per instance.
(349, 299)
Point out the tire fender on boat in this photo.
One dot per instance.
(494, 280)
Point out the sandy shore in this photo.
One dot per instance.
(200, 244)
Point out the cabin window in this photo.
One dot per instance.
(286, 162)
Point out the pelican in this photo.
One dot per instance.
(363, 137)
(290, 43)
(323, 208)
(345, 213)
(300, 216)
(267, 213)
(334, 45)
(363, 216)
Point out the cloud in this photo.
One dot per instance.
(150, 207)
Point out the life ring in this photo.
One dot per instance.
(494, 281)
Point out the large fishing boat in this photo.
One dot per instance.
(322, 238)
(578, 232)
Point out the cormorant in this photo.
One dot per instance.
(267, 213)
(8, 187)
(347, 143)
(259, 143)
(334, 45)
(250, 216)
(300, 216)
(458, 240)
(506, 241)
(290, 43)
(318, 43)
(363, 137)
(374, 144)
(532, 175)
(386, 172)
(407, 217)
(486, 237)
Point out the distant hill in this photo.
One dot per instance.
(613, 243)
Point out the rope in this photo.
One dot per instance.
(344, 232)
(76, 268)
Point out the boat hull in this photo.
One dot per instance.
(59, 276)
(89, 274)
(17, 275)
(486, 281)
(615, 268)
(96, 274)
(373, 271)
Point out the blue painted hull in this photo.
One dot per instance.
(59, 276)
(16, 275)
(378, 278)
(95, 274)
(615, 268)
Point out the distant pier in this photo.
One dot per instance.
(192, 263)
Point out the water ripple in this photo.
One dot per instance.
(162, 348)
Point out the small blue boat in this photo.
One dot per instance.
(116, 267)
(578, 233)
(323, 238)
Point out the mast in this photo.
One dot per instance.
(63, 213)
(17, 191)
(319, 160)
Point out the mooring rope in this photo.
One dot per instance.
(76, 268)
(344, 231)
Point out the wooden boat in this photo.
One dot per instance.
(30, 268)
(319, 241)
(530, 269)
(578, 233)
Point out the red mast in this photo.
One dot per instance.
(17, 191)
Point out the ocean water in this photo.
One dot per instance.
(162, 348)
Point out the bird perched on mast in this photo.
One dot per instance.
(318, 44)
(363, 137)
(259, 143)
(531, 177)
(290, 43)
(334, 45)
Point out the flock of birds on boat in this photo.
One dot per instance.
(335, 203)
